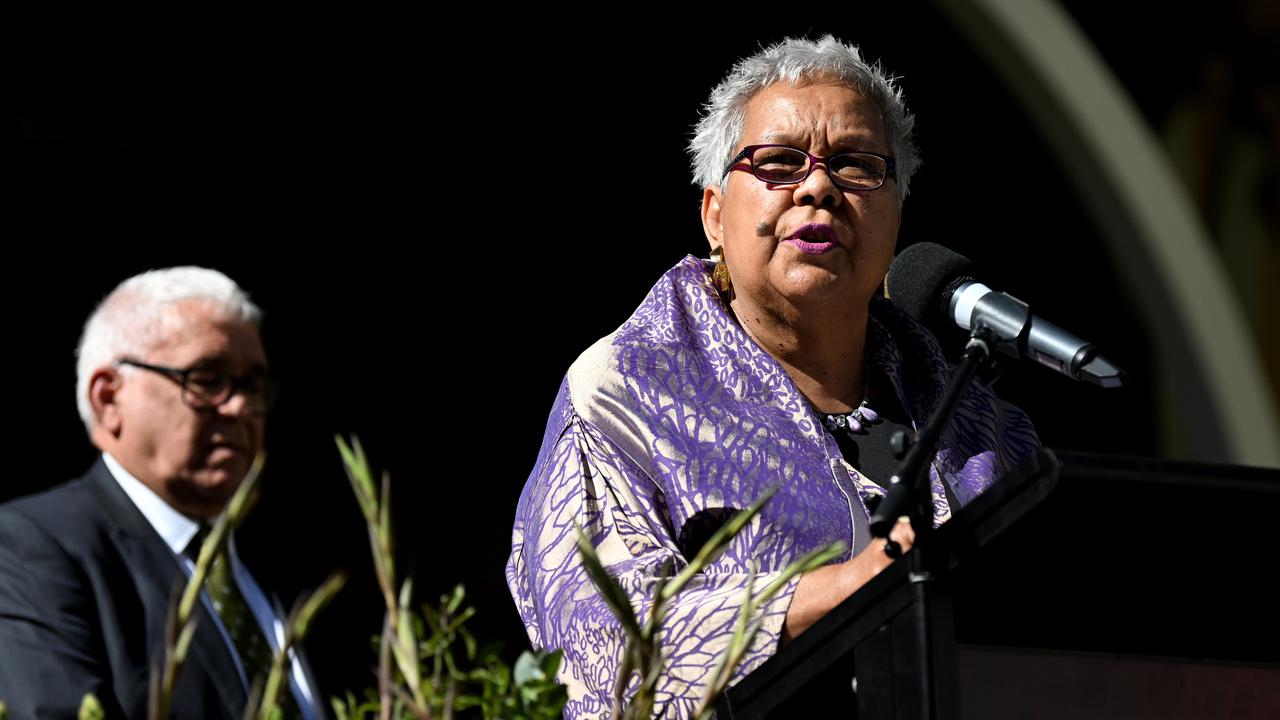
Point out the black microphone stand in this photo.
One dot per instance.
(909, 495)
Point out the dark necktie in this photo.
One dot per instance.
(250, 644)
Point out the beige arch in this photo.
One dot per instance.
(1213, 393)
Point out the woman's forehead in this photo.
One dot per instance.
(837, 112)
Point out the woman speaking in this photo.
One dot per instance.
(775, 364)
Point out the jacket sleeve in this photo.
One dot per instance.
(50, 651)
(583, 479)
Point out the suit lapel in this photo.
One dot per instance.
(155, 574)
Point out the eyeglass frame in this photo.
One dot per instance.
(264, 395)
(748, 154)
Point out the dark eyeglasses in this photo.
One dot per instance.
(207, 389)
(785, 165)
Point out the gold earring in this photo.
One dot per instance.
(720, 273)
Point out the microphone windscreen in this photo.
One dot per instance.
(922, 279)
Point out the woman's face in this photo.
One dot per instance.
(771, 234)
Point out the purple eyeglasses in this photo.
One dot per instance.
(785, 165)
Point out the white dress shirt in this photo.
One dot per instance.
(177, 530)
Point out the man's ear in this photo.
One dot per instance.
(711, 225)
(104, 387)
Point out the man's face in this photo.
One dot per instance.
(193, 458)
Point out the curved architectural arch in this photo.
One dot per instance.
(1207, 363)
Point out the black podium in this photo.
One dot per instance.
(1076, 586)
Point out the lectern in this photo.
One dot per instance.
(1076, 586)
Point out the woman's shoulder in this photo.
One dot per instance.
(668, 342)
(593, 371)
(667, 330)
(679, 306)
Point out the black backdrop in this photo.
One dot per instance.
(434, 315)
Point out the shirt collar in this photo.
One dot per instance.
(173, 527)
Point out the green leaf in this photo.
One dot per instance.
(469, 643)
(357, 468)
(658, 610)
(738, 642)
(460, 619)
(246, 496)
(406, 594)
(810, 561)
(614, 596)
(432, 617)
(527, 669)
(551, 663)
(715, 544)
(404, 648)
(384, 511)
(528, 695)
(340, 708)
(456, 601)
(316, 602)
(90, 709)
(185, 636)
(502, 674)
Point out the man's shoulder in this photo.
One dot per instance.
(68, 496)
(66, 513)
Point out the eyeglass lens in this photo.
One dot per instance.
(784, 165)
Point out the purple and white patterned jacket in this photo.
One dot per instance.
(679, 417)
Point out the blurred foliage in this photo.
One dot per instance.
(429, 664)
(91, 709)
(180, 621)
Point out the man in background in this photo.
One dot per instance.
(173, 387)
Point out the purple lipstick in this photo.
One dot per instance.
(813, 239)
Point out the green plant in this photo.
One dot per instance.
(642, 653)
(263, 705)
(180, 622)
(429, 664)
(90, 709)
(530, 692)
(462, 678)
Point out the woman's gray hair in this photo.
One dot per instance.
(793, 60)
(138, 315)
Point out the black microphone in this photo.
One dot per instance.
(936, 287)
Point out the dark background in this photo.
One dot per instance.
(433, 313)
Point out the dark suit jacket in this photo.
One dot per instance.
(85, 583)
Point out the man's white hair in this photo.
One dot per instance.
(139, 315)
(791, 61)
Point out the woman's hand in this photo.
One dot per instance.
(821, 590)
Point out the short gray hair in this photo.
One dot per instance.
(137, 316)
(793, 60)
